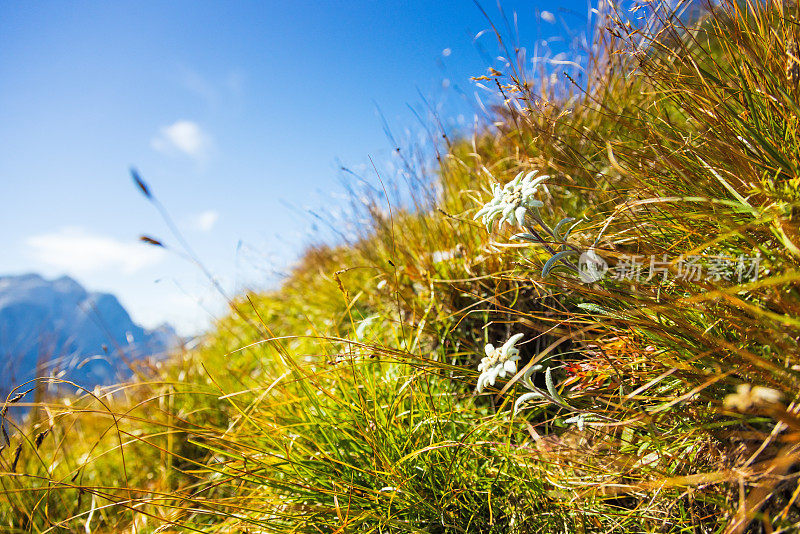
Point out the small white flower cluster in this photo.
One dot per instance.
(512, 202)
(498, 362)
(748, 397)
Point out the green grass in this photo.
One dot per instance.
(344, 401)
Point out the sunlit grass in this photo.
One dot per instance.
(345, 401)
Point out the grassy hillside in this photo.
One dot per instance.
(362, 396)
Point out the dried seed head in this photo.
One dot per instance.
(17, 453)
(150, 241)
(792, 62)
(40, 437)
(140, 183)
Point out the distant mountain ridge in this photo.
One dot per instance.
(68, 332)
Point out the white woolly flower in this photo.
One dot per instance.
(498, 362)
(748, 397)
(512, 202)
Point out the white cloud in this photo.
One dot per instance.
(206, 220)
(548, 17)
(183, 136)
(78, 252)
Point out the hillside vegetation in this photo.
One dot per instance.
(361, 396)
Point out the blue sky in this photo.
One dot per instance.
(237, 114)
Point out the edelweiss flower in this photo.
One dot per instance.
(512, 202)
(498, 362)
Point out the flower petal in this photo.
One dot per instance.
(481, 383)
(493, 375)
(519, 213)
(511, 342)
(535, 183)
(481, 212)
